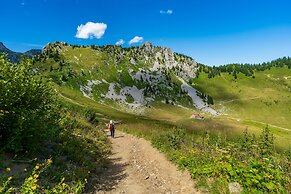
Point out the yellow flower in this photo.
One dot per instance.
(33, 187)
(9, 178)
(8, 169)
(35, 176)
(49, 161)
(36, 167)
(29, 178)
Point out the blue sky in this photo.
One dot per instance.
(213, 32)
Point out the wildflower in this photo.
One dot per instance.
(33, 187)
(35, 176)
(36, 167)
(29, 178)
(8, 169)
(9, 178)
(49, 161)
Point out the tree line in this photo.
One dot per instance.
(246, 68)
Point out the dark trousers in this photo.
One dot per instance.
(112, 132)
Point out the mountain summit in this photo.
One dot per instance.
(134, 77)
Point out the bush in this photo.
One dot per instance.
(33, 184)
(28, 107)
(214, 162)
(91, 116)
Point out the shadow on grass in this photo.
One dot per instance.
(109, 179)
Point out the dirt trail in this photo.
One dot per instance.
(136, 167)
(246, 99)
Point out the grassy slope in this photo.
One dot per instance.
(168, 116)
(253, 102)
(159, 128)
(245, 102)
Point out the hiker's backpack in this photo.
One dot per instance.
(111, 126)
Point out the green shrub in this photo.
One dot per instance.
(215, 162)
(91, 116)
(28, 107)
(33, 184)
(168, 141)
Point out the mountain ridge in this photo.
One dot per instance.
(15, 57)
(133, 77)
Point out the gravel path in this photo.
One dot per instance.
(137, 167)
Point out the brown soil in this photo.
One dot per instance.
(136, 167)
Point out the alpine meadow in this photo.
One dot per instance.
(80, 113)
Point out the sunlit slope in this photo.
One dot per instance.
(109, 79)
(134, 77)
(263, 99)
(164, 116)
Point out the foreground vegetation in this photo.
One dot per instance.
(214, 162)
(47, 145)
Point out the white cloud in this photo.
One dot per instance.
(136, 39)
(169, 12)
(120, 42)
(91, 30)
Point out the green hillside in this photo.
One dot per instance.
(258, 101)
(132, 77)
(141, 81)
(147, 91)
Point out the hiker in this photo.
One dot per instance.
(111, 127)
